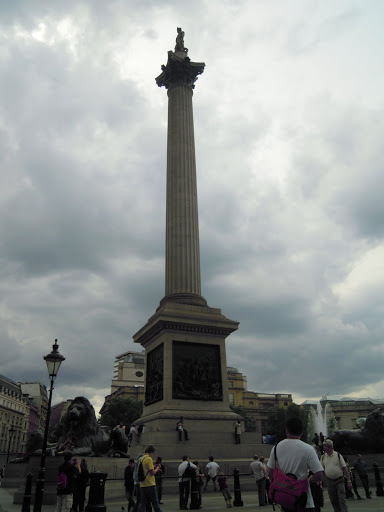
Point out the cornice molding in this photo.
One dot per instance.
(180, 326)
(180, 70)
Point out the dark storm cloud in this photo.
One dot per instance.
(73, 223)
(289, 164)
(291, 359)
(306, 259)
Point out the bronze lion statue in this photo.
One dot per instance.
(82, 435)
(369, 439)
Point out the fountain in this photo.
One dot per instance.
(322, 420)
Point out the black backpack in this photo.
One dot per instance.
(140, 472)
(189, 471)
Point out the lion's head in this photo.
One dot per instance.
(374, 423)
(81, 415)
(81, 430)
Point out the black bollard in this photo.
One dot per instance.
(96, 492)
(27, 494)
(379, 485)
(237, 502)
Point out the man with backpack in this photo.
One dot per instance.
(335, 470)
(186, 471)
(146, 476)
(294, 457)
(65, 483)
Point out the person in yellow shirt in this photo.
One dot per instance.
(148, 490)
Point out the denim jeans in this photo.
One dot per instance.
(149, 494)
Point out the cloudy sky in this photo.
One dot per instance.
(289, 131)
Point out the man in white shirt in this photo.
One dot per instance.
(184, 482)
(258, 471)
(335, 470)
(296, 457)
(211, 472)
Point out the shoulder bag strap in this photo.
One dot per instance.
(341, 467)
(274, 450)
(142, 460)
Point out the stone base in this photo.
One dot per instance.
(186, 369)
(201, 445)
(199, 422)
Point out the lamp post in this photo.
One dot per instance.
(11, 431)
(53, 360)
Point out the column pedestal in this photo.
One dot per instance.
(186, 369)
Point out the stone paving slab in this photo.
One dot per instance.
(211, 502)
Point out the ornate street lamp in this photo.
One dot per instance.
(11, 431)
(53, 360)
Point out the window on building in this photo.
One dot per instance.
(285, 403)
(230, 383)
(251, 402)
(231, 398)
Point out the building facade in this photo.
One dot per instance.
(256, 405)
(38, 394)
(128, 378)
(58, 411)
(14, 417)
(23, 410)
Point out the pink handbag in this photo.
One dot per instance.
(287, 491)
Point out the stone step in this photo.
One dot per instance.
(197, 449)
(197, 437)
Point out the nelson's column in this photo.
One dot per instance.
(186, 369)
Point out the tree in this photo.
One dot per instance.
(249, 423)
(332, 426)
(121, 409)
(295, 411)
(278, 417)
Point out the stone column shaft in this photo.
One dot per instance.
(182, 274)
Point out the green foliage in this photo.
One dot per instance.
(249, 423)
(278, 417)
(332, 426)
(275, 423)
(121, 409)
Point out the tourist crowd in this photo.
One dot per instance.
(290, 460)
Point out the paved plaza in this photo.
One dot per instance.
(211, 501)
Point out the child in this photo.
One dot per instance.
(222, 480)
